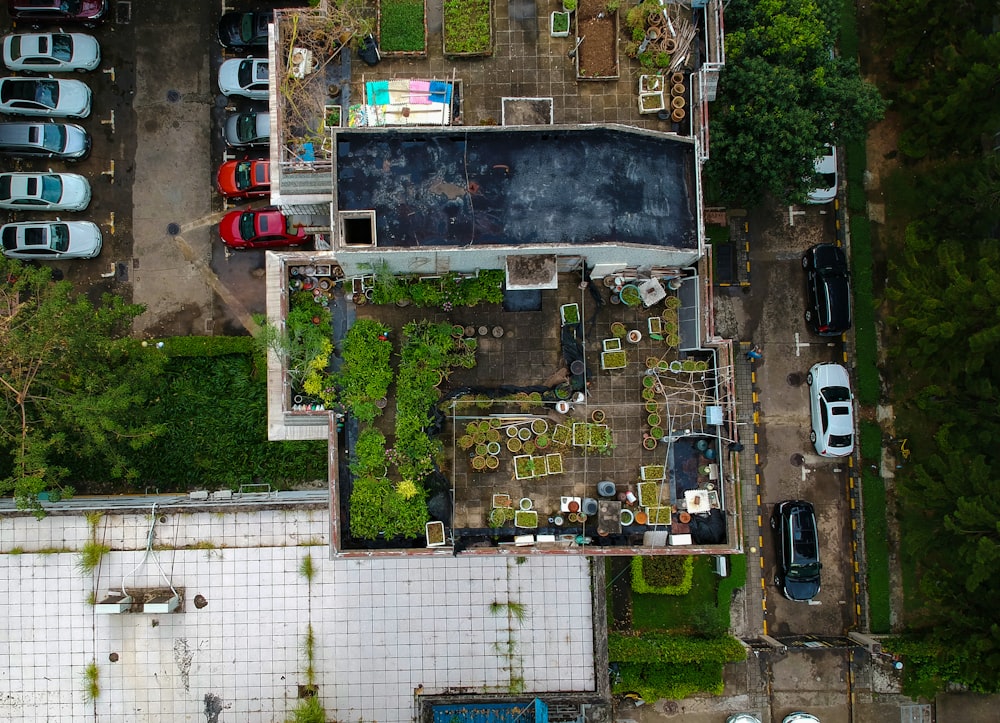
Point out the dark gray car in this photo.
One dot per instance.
(794, 522)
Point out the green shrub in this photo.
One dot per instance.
(662, 574)
(369, 452)
(366, 374)
(177, 346)
(467, 26)
(864, 311)
(659, 647)
(377, 508)
(308, 710)
(402, 26)
(672, 682)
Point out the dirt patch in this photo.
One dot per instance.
(527, 111)
(598, 53)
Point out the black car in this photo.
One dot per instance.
(88, 12)
(794, 522)
(244, 31)
(828, 290)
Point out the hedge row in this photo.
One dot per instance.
(671, 682)
(192, 346)
(657, 647)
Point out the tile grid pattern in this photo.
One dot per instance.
(382, 627)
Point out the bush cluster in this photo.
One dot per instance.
(662, 574)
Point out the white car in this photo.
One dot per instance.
(832, 406)
(51, 240)
(826, 167)
(51, 52)
(799, 717)
(45, 97)
(44, 191)
(244, 76)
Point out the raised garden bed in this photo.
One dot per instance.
(554, 463)
(559, 24)
(660, 515)
(597, 56)
(649, 494)
(569, 313)
(653, 472)
(526, 519)
(435, 534)
(467, 30)
(402, 28)
(613, 360)
(524, 467)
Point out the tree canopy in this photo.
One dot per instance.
(782, 96)
(70, 383)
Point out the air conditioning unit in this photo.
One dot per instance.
(114, 604)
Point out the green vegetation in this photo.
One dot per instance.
(781, 97)
(454, 289)
(940, 306)
(876, 529)
(90, 557)
(402, 26)
(91, 682)
(305, 344)
(308, 710)
(662, 574)
(366, 375)
(467, 27)
(306, 568)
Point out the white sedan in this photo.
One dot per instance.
(44, 191)
(832, 407)
(51, 240)
(244, 76)
(44, 97)
(51, 52)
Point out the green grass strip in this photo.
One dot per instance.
(876, 550)
(864, 311)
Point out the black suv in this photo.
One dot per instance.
(798, 549)
(828, 290)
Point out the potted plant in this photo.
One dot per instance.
(434, 531)
(539, 426)
(570, 5)
(648, 443)
(598, 416)
(618, 330)
(559, 24)
(542, 441)
(524, 467)
(501, 500)
(514, 445)
(650, 84)
(331, 116)
(649, 494)
(630, 295)
(526, 519)
(561, 434)
(554, 463)
(492, 463)
(613, 360)
(569, 313)
(653, 420)
(656, 433)
(478, 463)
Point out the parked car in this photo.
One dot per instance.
(51, 52)
(832, 406)
(799, 717)
(794, 522)
(248, 129)
(44, 96)
(243, 31)
(244, 76)
(51, 240)
(262, 228)
(44, 191)
(244, 179)
(826, 167)
(88, 12)
(828, 290)
(66, 141)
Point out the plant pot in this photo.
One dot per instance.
(678, 89)
(653, 420)
(492, 463)
(641, 518)
(652, 407)
(598, 416)
(677, 102)
(434, 531)
(524, 503)
(649, 443)
(669, 46)
(634, 336)
(684, 518)
(559, 24)
(514, 445)
(653, 34)
(493, 448)
(648, 382)
(618, 330)
(677, 115)
(626, 518)
(676, 78)
(539, 426)
(457, 331)
(542, 441)
(478, 463)
(524, 434)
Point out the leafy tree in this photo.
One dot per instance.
(781, 97)
(71, 382)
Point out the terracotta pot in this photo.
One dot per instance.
(678, 89)
(669, 45)
(677, 78)
(677, 102)
(684, 518)
(641, 518)
(677, 116)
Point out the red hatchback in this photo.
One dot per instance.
(262, 228)
(244, 179)
(88, 12)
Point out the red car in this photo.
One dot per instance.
(244, 179)
(262, 228)
(36, 12)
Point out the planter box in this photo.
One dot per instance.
(434, 531)
(524, 467)
(554, 463)
(561, 434)
(660, 515)
(651, 103)
(501, 500)
(569, 313)
(612, 344)
(564, 20)
(652, 472)
(398, 12)
(464, 32)
(649, 494)
(650, 84)
(526, 519)
(541, 466)
(331, 119)
(654, 325)
(586, 16)
(613, 360)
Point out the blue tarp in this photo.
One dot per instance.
(535, 711)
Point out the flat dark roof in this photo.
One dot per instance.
(448, 187)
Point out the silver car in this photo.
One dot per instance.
(44, 191)
(51, 52)
(44, 97)
(248, 129)
(831, 405)
(51, 240)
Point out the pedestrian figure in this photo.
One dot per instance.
(754, 354)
